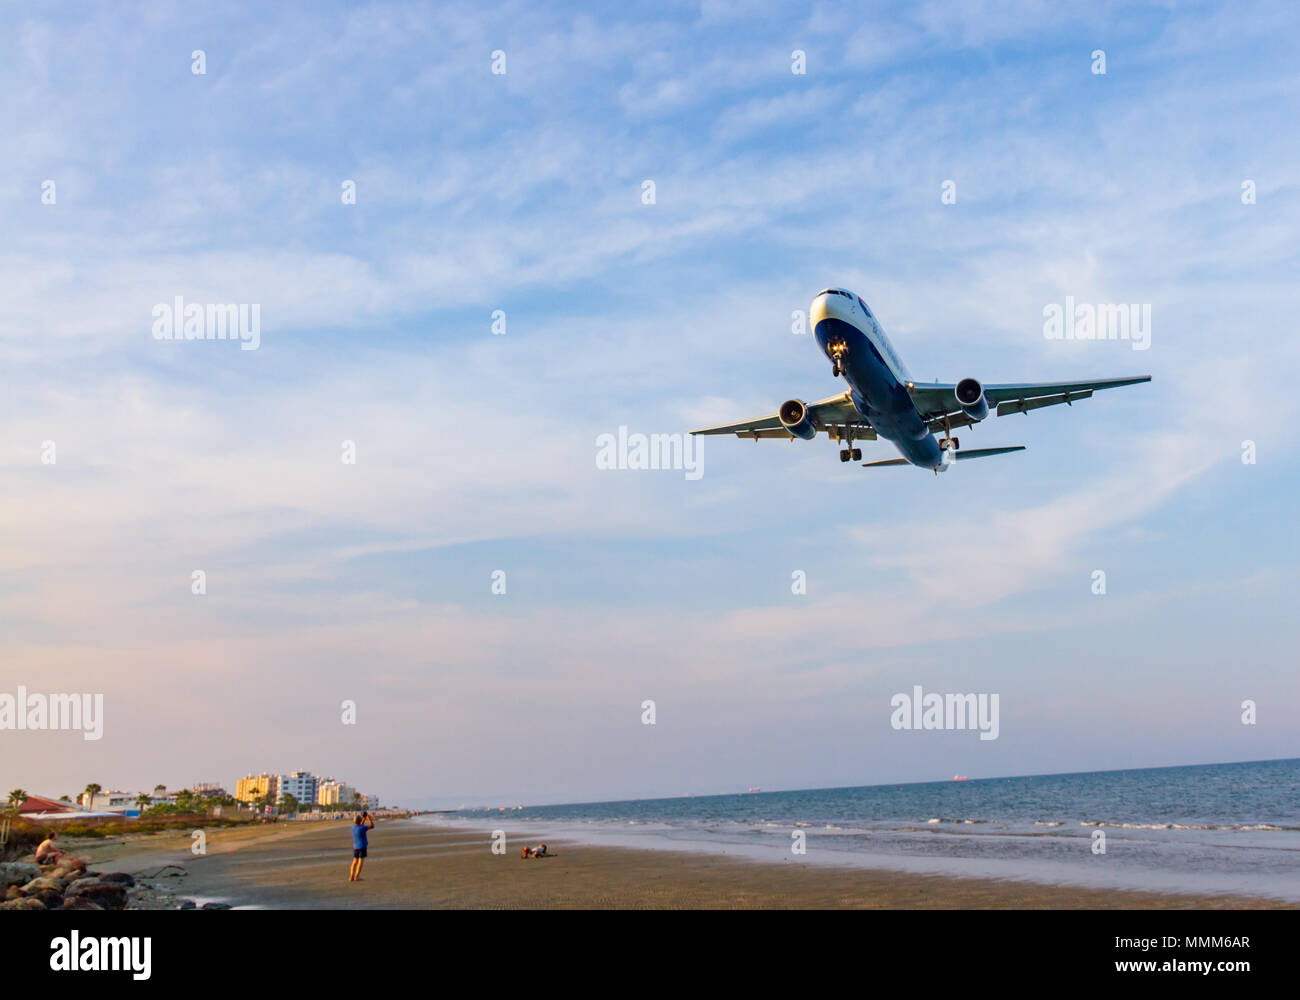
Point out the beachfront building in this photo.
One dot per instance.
(39, 807)
(334, 793)
(254, 787)
(209, 790)
(115, 801)
(301, 785)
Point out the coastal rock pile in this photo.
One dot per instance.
(32, 887)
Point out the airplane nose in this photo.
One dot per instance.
(818, 311)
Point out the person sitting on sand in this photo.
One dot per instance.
(360, 828)
(48, 854)
(534, 852)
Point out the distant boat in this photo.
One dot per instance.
(754, 788)
(960, 777)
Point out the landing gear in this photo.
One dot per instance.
(850, 452)
(948, 442)
(837, 359)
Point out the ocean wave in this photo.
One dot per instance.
(1182, 826)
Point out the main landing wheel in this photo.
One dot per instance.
(836, 371)
(857, 454)
(845, 453)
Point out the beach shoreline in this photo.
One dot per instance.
(415, 865)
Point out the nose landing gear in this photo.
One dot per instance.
(837, 359)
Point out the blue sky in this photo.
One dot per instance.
(522, 192)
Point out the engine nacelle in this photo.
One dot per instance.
(970, 397)
(794, 418)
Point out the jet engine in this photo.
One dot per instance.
(970, 396)
(794, 418)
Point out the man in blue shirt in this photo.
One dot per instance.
(361, 826)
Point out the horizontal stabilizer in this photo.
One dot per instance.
(960, 455)
(985, 452)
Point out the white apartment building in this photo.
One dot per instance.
(301, 785)
(116, 801)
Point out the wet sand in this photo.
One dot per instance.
(415, 866)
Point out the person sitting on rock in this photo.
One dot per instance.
(48, 854)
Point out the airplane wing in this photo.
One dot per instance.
(937, 402)
(831, 415)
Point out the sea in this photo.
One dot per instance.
(1210, 828)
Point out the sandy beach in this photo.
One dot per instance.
(416, 866)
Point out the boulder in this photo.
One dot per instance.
(109, 895)
(79, 903)
(51, 898)
(17, 873)
(13, 892)
(188, 904)
(121, 878)
(44, 882)
(22, 904)
(216, 906)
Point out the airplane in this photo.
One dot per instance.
(883, 401)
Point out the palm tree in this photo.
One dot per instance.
(17, 797)
(159, 790)
(143, 800)
(91, 791)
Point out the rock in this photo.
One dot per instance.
(80, 903)
(51, 898)
(188, 904)
(22, 904)
(13, 892)
(44, 882)
(121, 878)
(18, 873)
(216, 906)
(109, 895)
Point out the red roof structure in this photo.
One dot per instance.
(39, 804)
